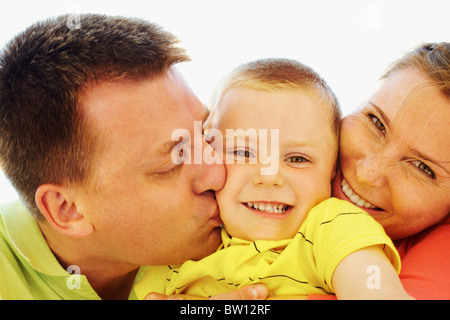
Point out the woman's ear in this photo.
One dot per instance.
(58, 206)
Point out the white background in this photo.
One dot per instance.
(349, 42)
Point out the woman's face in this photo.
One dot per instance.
(395, 155)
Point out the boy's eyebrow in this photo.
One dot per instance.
(239, 135)
(311, 144)
(382, 114)
(288, 144)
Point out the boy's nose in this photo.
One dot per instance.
(269, 180)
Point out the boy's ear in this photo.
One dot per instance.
(59, 208)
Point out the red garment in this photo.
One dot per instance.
(425, 272)
(425, 258)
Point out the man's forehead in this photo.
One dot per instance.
(143, 115)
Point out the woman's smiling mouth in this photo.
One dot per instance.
(356, 199)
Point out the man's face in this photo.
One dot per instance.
(146, 209)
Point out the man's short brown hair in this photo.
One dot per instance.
(44, 136)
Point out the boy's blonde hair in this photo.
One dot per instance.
(277, 74)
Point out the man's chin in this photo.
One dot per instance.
(208, 246)
(200, 250)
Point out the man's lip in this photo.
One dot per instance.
(217, 220)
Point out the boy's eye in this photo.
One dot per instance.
(377, 123)
(424, 168)
(296, 159)
(242, 153)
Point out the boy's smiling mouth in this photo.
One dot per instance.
(269, 207)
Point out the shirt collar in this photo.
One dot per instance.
(27, 239)
(261, 245)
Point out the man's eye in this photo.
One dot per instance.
(424, 168)
(377, 123)
(167, 173)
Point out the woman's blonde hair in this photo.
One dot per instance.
(433, 59)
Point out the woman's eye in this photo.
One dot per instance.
(424, 168)
(377, 123)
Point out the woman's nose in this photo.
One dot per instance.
(370, 170)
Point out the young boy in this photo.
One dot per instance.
(281, 227)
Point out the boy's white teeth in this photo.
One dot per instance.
(360, 202)
(268, 207)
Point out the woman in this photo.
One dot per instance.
(395, 163)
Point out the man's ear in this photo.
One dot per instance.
(59, 208)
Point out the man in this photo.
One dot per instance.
(85, 138)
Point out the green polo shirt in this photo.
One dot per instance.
(28, 268)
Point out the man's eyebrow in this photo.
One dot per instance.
(167, 147)
(156, 155)
(383, 115)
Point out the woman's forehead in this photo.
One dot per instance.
(416, 113)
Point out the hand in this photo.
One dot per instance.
(251, 292)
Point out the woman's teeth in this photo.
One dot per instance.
(360, 202)
(267, 207)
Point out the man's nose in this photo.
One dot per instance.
(211, 174)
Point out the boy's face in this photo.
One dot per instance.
(307, 152)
